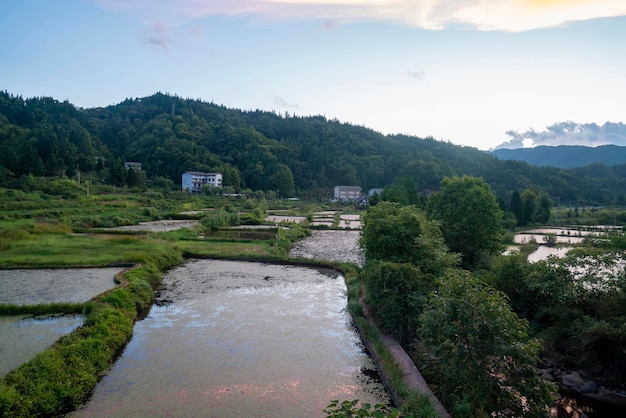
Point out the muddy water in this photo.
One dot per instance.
(240, 340)
(22, 338)
(340, 246)
(30, 287)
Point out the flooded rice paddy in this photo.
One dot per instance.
(240, 339)
(342, 246)
(30, 287)
(22, 337)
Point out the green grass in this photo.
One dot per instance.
(220, 249)
(79, 250)
(44, 308)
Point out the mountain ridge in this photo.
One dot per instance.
(565, 156)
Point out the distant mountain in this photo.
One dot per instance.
(564, 156)
(569, 133)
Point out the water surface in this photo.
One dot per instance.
(240, 340)
(30, 286)
(23, 337)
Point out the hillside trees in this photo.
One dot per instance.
(481, 352)
(170, 135)
(405, 253)
(471, 219)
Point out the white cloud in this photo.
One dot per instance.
(507, 15)
(569, 133)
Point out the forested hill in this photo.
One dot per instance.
(565, 156)
(261, 150)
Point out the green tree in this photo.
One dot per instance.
(543, 211)
(481, 351)
(132, 178)
(530, 206)
(404, 254)
(403, 234)
(516, 206)
(402, 191)
(282, 181)
(397, 294)
(471, 219)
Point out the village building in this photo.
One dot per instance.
(194, 181)
(347, 193)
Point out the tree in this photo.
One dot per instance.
(397, 294)
(282, 181)
(402, 191)
(471, 219)
(516, 207)
(403, 234)
(481, 351)
(530, 206)
(404, 253)
(132, 178)
(545, 205)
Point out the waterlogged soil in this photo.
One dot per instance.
(30, 287)
(240, 339)
(156, 226)
(341, 246)
(23, 337)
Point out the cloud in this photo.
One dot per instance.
(569, 133)
(507, 15)
(157, 35)
(417, 75)
(281, 102)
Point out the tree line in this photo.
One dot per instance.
(476, 321)
(259, 150)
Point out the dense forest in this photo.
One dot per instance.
(259, 150)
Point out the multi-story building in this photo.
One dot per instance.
(346, 193)
(194, 181)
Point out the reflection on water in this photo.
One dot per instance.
(240, 339)
(22, 338)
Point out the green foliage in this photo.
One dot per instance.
(352, 409)
(220, 219)
(286, 238)
(397, 294)
(480, 351)
(403, 191)
(471, 219)
(59, 379)
(42, 309)
(403, 234)
(254, 150)
(550, 240)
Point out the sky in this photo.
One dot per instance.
(472, 72)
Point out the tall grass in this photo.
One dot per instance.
(45, 308)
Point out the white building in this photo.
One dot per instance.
(194, 181)
(347, 192)
(134, 165)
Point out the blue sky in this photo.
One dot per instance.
(464, 71)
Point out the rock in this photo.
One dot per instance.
(572, 380)
(588, 387)
(546, 374)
